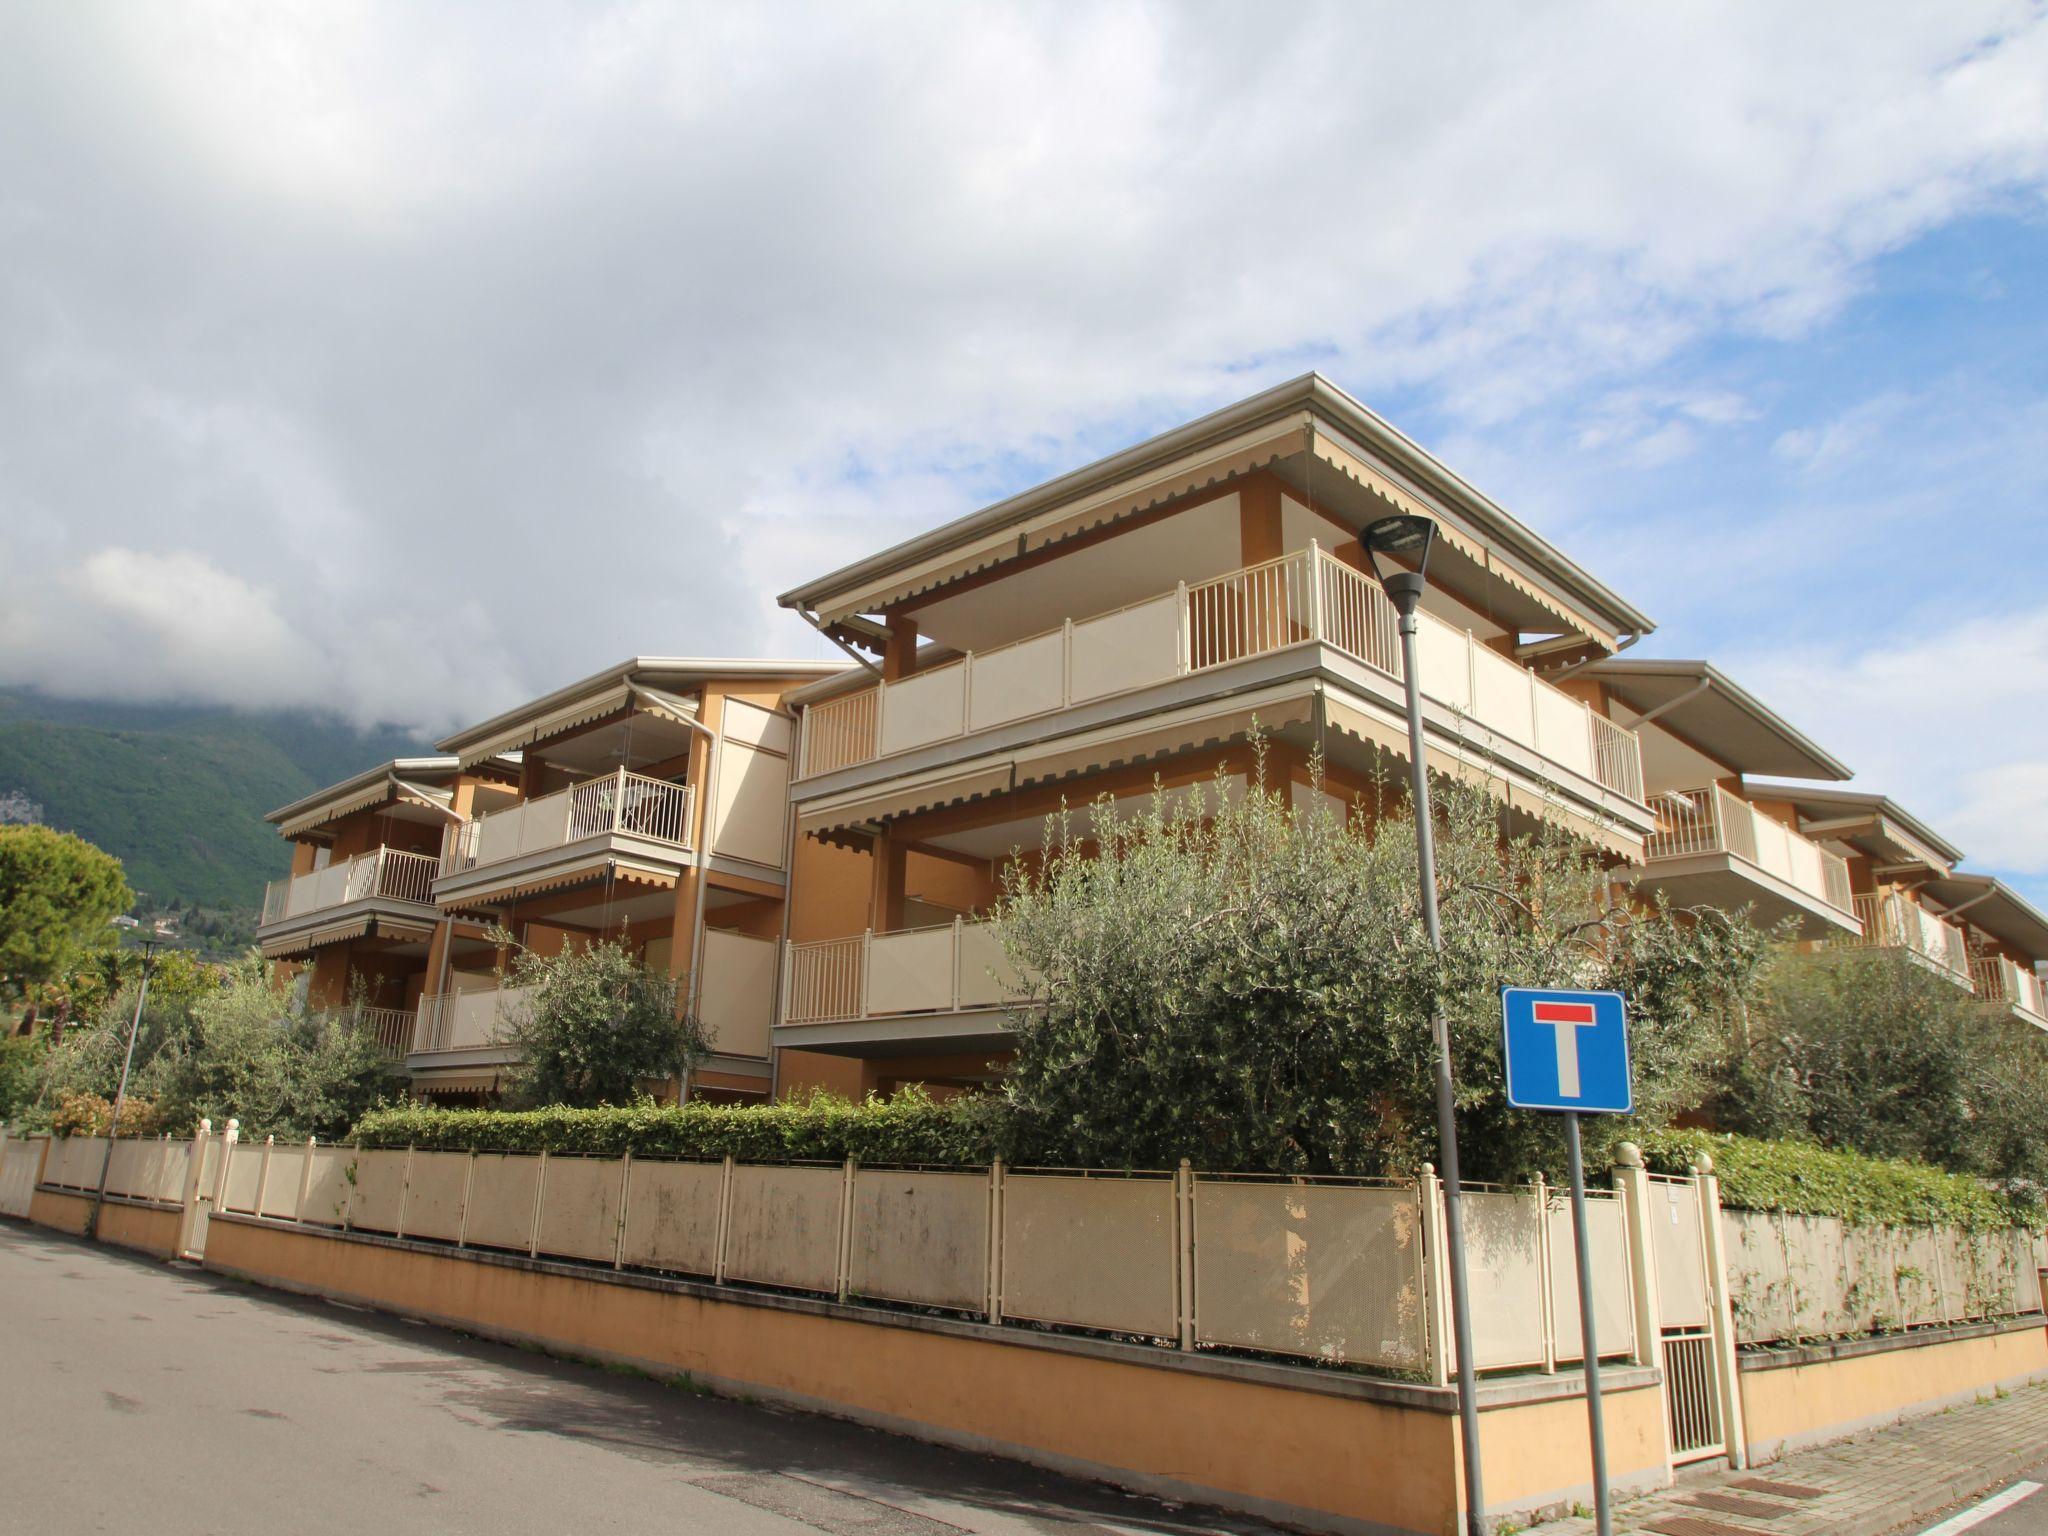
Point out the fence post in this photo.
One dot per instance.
(195, 1174)
(845, 1229)
(348, 1199)
(305, 1179)
(995, 1241)
(1540, 1192)
(1720, 1312)
(1429, 1191)
(263, 1174)
(404, 1192)
(1632, 1182)
(1184, 1249)
(867, 942)
(625, 1189)
(468, 1184)
(1184, 641)
(540, 1195)
(724, 1216)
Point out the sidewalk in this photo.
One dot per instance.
(1874, 1483)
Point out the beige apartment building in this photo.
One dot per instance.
(646, 804)
(814, 844)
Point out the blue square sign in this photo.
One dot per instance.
(1567, 1050)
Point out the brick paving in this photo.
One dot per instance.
(1870, 1484)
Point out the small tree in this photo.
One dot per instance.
(58, 893)
(597, 1028)
(1251, 987)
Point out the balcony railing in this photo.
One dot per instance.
(953, 966)
(1998, 980)
(1306, 597)
(1711, 820)
(1893, 921)
(466, 1021)
(620, 802)
(387, 872)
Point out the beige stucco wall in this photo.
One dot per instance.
(152, 1229)
(1313, 1457)
(1790, 1406)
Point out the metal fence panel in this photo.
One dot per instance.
(921, 1237)
(327, 1189)
(1091, 1253)
(579, 1208)
(502, 1187)
(433, 1195)
(281, 1182)
(1328, 1271)
(1817, 1265)
(129, 1167)
(1504, 1261)
(245, 1173)
(672, 1216)
(18, 1160)
(379, 1193)
(1678, 1250)
(174, 1172)
(1759, 1289)
(1607, 1245)
(784, 1227)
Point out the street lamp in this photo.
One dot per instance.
(1400, 539)
(156, 937)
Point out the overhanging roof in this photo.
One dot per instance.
(1872, 824)
(1306, 415)
(1701, 704)
(654, 677)
(1995, 907)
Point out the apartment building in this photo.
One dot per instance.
(645, 804)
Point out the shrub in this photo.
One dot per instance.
(597, 1026)
(87, 1114)
(908, 1128)
(1807, 1180)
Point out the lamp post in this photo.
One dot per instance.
(1408, 537)
(157, 936)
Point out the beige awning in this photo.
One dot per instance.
(1119, 746)
(664, 706)
(1333, 453)
(333, 810)
(427, 799)
(1135, 493)
(1390, 734)
(902, 798)
(588, 873)
(556, 723)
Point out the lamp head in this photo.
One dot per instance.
(1408, 536)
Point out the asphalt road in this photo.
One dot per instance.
(2025, 1513)
(136, 1396)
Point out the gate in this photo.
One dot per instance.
(1685, 1318)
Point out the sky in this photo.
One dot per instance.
(411, 359)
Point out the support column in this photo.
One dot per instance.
(899, 656)
(1258, 517)
(885, 901)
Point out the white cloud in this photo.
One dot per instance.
(1952, 723)
(488, 347)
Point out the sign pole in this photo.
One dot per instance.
(1588, 1342)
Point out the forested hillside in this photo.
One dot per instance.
(178, 792)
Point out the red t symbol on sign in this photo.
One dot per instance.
(1567, 1019)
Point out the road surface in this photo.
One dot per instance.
(136, 1396)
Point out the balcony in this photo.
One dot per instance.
(1303, 599)
(1894, 921)
(1998, 980)
(1715, 848)
(621, 819)
(927, 983)
(386, 888)
(466, 1021)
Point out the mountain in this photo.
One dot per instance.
(178, 792)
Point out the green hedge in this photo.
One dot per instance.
(909, 1128)
(1812, 1181)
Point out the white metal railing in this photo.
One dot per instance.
(391, 873)
(940, 969)
(1893, 920)
(466, 1021)
(1309, 596)
(1998, 980)
(618, 803)
(1711, 820)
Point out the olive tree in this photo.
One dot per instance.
(1250, 986)
(598, 1026)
